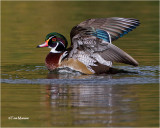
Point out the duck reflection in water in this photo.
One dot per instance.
(90, 103)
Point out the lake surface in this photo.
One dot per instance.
(33, 97)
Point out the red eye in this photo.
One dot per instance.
(53, 39)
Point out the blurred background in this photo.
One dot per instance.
(71, 99)
(25, 25)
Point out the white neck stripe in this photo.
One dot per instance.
(54, 51)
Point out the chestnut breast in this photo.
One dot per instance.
(53, 60)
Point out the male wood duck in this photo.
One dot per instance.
(91, 50)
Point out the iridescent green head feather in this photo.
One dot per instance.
(59, 37)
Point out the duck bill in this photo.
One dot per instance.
(45, 44)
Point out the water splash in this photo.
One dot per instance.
(33, 74)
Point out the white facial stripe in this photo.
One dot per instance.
(53, 50)
(58, 41)
(61, 43)
(51, 37)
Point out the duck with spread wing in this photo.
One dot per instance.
(91, 50)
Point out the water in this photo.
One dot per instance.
(68, 98)
(25, 73)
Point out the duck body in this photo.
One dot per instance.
(91, 50)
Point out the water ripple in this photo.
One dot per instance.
(122, 81)
(27, 74)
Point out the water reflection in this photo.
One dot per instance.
(102, 105)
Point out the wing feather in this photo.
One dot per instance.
(124, 24)
(91, 42)
(100, 51)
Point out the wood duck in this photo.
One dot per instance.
(91, 50)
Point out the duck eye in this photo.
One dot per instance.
(53, 39)
(52, 44)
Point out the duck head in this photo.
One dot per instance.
(56, 42)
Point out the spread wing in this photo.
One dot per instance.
(115, 26)
(91, 42)
(90, 48)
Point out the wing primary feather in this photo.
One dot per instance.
(115, 26)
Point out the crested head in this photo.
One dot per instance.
(57, 37)
(56, 42)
